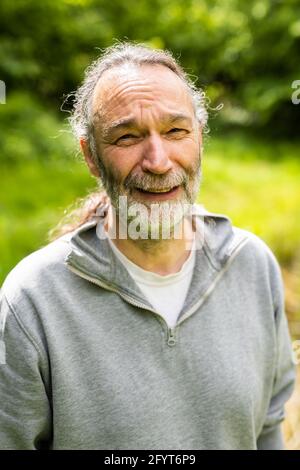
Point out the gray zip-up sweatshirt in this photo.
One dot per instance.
(90, 364)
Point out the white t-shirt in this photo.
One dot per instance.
(165, 293)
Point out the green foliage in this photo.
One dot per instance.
(30, 133)
(246, 54)
(33, 199)
(41, 175)
(260, 193)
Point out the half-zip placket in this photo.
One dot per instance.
(171, 341)
(171, 331)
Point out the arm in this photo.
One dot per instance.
(285, 373)
(271, 439)
(25, 412)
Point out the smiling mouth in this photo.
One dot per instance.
(158, 191)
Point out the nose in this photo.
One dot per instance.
(155, 155)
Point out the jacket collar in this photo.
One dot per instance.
(216, 241)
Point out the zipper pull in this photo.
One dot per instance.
(171, 337)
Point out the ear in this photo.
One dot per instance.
(88, 158)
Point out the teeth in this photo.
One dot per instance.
(160, 190)
(157, 190)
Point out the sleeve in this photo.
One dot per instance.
(25, 411)
(271, 437)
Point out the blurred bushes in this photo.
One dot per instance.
(257, 186)
(40, 176)
(246, 54)
(30, 132)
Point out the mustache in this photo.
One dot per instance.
(156, 182)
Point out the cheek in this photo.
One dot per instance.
(186, 152)
(119, 162)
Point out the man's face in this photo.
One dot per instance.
(147, 137)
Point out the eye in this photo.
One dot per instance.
(175, 129)
(177, 132)
(127, 136)
(126, 139)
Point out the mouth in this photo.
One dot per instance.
(158, 193)
(155, 191)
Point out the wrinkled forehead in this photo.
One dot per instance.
(127, 87)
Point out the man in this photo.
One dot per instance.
(120, 336)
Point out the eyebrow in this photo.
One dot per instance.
(131, 123)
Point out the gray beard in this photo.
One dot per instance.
(162, 218)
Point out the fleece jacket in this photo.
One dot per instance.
(87, 363)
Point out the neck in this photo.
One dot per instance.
(160, 256)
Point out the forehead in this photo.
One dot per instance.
(149, 90)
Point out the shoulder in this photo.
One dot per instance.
(37, 270)
(225, 241)
(256, 248)
(257, 259)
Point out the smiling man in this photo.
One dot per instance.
(122, 338)
(146, 130)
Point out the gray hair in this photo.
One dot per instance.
(118, 55)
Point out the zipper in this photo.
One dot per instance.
(171, 331)
(171, 338)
